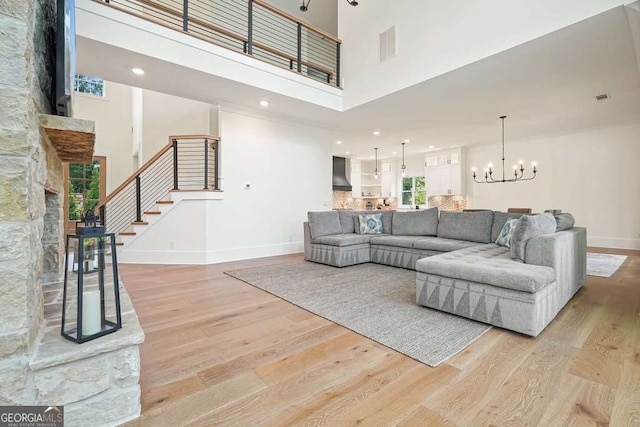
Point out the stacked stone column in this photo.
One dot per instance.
(28, 164)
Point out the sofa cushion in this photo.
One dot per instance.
(324, 223)
(504, 239)
(418, 223)
(471, 226)
(343, 239)
(398, 241)
(442, 245)
(499, 219)
(370, 223)
(564, 221)
(528, 227)
(490, 264)
(347, 221)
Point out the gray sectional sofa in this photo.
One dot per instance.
(459, 268)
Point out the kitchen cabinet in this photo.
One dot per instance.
(388, 182)
(443, 173)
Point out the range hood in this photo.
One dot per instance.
(340, 181)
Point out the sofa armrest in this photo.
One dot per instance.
(306, 232)
(565, 252)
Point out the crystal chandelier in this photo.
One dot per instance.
(518, 170)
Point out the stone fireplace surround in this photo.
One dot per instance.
(97, 381)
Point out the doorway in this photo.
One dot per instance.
(86, 185)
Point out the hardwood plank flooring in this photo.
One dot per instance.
(220, 352)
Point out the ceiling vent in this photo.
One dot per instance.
(388, 44)
(602, 97)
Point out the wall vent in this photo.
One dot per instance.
(388, 44)
(602, 97)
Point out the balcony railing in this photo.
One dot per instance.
(252, 27)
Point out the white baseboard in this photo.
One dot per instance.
(207, 257)
(614, 243)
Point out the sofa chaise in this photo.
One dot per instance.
(459, 267)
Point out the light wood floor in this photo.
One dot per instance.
(221, 352)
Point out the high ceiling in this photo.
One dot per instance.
(546, 87)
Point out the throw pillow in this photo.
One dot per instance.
(564, 221)
(504, 239)
(370, 223)
(528, 227)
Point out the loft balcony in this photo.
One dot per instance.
(234, 43)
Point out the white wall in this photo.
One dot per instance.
(435, 37)
(289, 169)
(113, 117)
(165, 115)
(593, 174)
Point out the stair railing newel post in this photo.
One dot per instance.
(216, 164)
(299, 56)
(175, 164)
(138, 199)
(206, 163)
(103, 214)
(185, 15)
(250, 29)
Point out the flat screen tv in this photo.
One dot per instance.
(65, 57)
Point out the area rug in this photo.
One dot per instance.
(604, 265)
(373, 300)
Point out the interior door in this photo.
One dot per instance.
(85, 185)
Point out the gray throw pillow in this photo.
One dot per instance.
(564, 221)
(418, 223)
(528, 227)
(499, 220)
(470, 226)
(324, 223)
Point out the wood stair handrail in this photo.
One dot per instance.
(129, 180)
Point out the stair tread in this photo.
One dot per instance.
(164, 202)
(152, 213)
(127, 233)
(119, 244)
(140, 223)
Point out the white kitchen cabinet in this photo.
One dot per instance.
(443, 172)
(388, 180)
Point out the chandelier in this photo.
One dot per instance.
(518, 170)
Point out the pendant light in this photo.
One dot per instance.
(518, 170)
(404, 167)
(376, 175)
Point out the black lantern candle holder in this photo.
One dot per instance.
(91, 294)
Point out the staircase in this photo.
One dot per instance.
(187, 162)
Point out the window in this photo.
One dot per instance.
(84, 188)
(89, 85)
(414, 191)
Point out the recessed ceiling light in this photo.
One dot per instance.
(372, 156)
(431, 146)
(138, 71)
(347, 152)
(264, 104)
(338, 142)
(394, 152)
(407, 140)
(376, 132)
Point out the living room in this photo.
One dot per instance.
(219, 350)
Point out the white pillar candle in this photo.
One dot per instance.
(91, 313)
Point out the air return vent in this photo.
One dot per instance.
(388, 45)
(602, 97)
